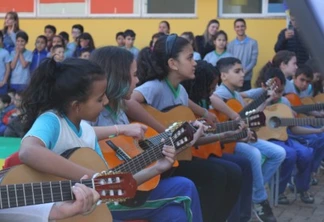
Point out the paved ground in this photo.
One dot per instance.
(297, 211)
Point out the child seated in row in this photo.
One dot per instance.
(4, 67)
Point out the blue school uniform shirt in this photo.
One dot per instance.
(225, 93)
(302, 94)
(9, 41)
(59, 134)
(4, 59)
(20, 75)
(37, 59)
(196, 56)
(213, 57)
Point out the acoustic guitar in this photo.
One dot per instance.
(254, 119)
(133, 160)
(23, 186)
(303, 106)
(279, 117)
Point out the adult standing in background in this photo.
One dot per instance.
(290, 39)
(10, 29)
(204, 43)
(245, 49)
(164, 27)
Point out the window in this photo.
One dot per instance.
(100, 8)
(251, 8)
(61, 8)
(113, 8)
(169, 8)
(25, 8)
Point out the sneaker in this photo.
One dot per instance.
(283, 199)
(306, 197)
(314, 181)
(263, 212)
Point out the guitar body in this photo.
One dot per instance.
(176, 114)
(280, 133)
(307, 101)
(132, 149)
(295, 100)
(319, 98)
(85, 157)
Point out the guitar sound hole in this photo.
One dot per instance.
(274, 122)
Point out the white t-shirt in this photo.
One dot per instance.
(35, 213)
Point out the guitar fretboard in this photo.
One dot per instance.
(299, 122)
(308, 108)
(19, 195)
(254, 104)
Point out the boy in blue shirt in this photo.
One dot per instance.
(21, 59)
(4, 67)
(39, 52)
(129, 36)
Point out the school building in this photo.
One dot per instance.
(104, 18)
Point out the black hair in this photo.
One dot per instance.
(22, 35)
(6, 99)
(42, 37)
(12, 90)
(239, 20)
(62, 40)
(51, 27)
(313, 64)
(57, 47)
(225, 64)
(116, 63)
(119, 34)
(156, 36)
(272, 73)
(85, 50)
(65, 36)
(130, 33)
(221, 32)
(283, 56)
(78, 26)
(87, 36)
(1, 36)
(55, 85)
(192, 38)
(153, 64)
(199, 88)
(305, 70)
(167, 24)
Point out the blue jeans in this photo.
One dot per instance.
(242, 209)
(296, 155)
(174, 199)
(315, 141)
(261, 173)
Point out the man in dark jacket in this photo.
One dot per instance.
(291, 40)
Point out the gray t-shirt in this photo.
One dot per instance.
(160, 95)
(20, 75)
(225, 93)
(213, 57)
(289, 87)
(107, 118)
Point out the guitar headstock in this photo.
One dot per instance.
(181, 133)
(255, 119)
(116, 187)
(273, 84)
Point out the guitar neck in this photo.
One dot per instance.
(300, 122)
(254, 104)
(152, 153)
(308, 108)
(235, 137)
(19, 195)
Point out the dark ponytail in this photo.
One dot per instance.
(55, 85)
(153, 63)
